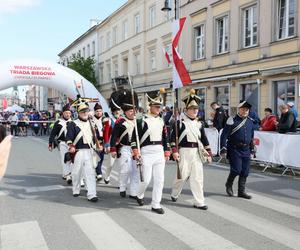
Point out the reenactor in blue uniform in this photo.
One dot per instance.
(120, 145)
(58, 139)
(237, 144)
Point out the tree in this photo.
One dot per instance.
(84, 67)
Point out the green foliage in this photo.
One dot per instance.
(84, 67)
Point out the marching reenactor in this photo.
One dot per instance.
(155, 150)
(108, 125)
(120, 145)
(237, 144)
(82, 144)
(98, 121)
(58, 139)
(191, 151)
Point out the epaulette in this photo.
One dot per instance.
(230, 121)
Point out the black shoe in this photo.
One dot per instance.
(123, 194)
(106, 181)
(132, 197)
(94, 199)
(229, 184)
(158, 210)
(173, 199)
(75, 195)
(69, 180)
(140, 201)
(242, 187)
(201, 207)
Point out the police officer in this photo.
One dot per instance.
(120, 146)
(237, 143)
(193, 149)
(58, 139)
(98, 121)
(108, 125)
(82, 144)
(155, 150)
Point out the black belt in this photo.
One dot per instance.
(240, 145)
(152, 143)
(189, 145)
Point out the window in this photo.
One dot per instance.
(222, 96)
(199, 42)
(250, 26)
(222, 35)
(88, 50)
(286, 10)
(125, 66)
(137, 23)
(152, 60)
(114, 36)
(108, 40)
(137, 64)
(125, 30)
(101, 78)
(116, 73)
(83, 52)
(79, 53)
(284, 92)
(249, 93)
(108, 72)
(93, 48)
(101, 44)
(152, 16)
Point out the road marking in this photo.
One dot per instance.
(289, 192)
(44, 188)
(108, 236)
(187, 231)
(22, 236)
(261, 226)
(276, 205)
(4, 193)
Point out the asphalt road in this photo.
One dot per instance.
(38, 211)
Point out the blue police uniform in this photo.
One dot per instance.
(237, 142)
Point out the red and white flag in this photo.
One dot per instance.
(167, 56)
(4, 103)
(181, 76)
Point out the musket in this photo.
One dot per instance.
(98, 144)
(139, 162)
(175, 111)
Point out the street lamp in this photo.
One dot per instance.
(167, 7)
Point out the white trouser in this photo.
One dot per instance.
(153, 164)
(191, 167)
(83, 167)
(66, 167)
(128, 171)
(108, 169)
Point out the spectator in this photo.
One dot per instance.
(287, 122)
(291, 106)
(269, 121)
(13, 120)
(220, 116)
(255, 118)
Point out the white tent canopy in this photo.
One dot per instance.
(52, 75)
(14, 108)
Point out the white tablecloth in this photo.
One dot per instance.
(213, 139)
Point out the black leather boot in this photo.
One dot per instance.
(229, 184)
(242, 186)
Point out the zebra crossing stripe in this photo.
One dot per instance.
(189, 232)
(22, 236)
(108, 236)
(261, 226)
(44, 188)
(289, 192)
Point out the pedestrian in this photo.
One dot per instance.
(287, 122)
(268, 123)
(58, 139)
(98, 121)
(192, 152)
(82, 145)
(108, 125)
(292, 108)
(220, 116)
(155, 151)
(237, 144)
(13, 120)
(120, 146)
